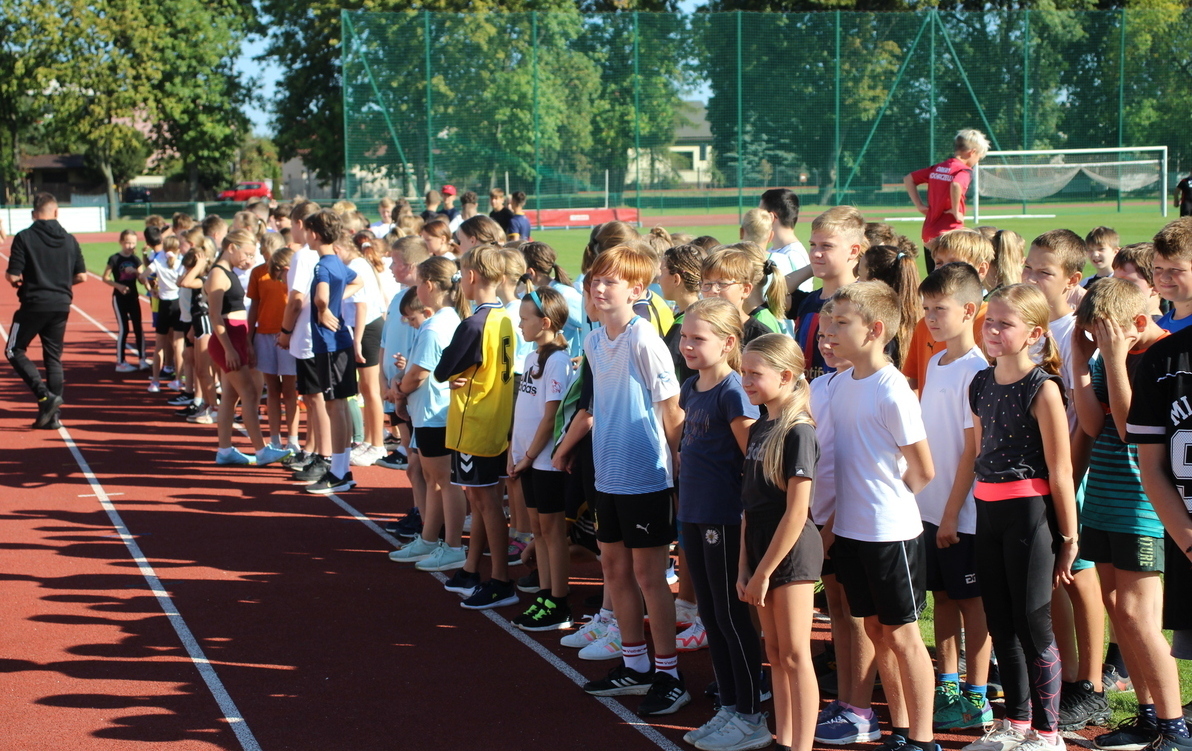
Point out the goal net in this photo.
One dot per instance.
(1021, 178)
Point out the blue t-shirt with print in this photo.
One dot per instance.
(1172, 324)
(330, 270)
(520, 224)
(711, 459)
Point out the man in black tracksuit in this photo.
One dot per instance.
(45, 263)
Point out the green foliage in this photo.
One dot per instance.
(119, 151)
(258, 160)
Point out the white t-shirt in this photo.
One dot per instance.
(797, 258)
(946, 415)
(167, 278)
(390, 287)
(631, 374)
(370, 294)
(532, 399)
(872, 418)
(300, 277)
(823, 493)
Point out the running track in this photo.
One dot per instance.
(152, 597)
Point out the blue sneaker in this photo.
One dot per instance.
(233, 457)
(845, 727)
(271, 454)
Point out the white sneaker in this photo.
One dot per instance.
(718, 721)
(685, 614)
(738, 734)
(468, 524)
(443, 558)
(607, 647)
(175, 385)
(595, 628)
(123, 367)
(693, 639)
(999, 736)
(368, 456)
(1035, 742)
(419, 549)
(154, 388)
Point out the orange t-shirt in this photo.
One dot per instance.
(923, 348)
(268, 298)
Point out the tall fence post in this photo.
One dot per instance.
(537, 169)
(1026, 85)
(933, 13)
(740, 130)
(1122, 102)
(344, 23)
(839, 145)
(637, 114)
(430, 128)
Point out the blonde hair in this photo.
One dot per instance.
(725, 321)
(1067, 247)
(843, 220)
(1114, 300)
(971, 140)
(343, 206)
(658, 240)
(1141, 256)
(746, 262)
(170, 245)
(443, 274)
(515, 264)
(624, 262)
(874, 301)
(756, 226)
(270, 244)
(411, 248)
(780, 352)
(966, 245)
(249, 220)
(488, 261)
(1031, 306)
(1008, 247)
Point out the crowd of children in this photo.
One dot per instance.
(1005, 434)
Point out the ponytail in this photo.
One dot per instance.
(548, 303)
(446, 277)
(898, 269)
(776, 292)
(1052, 362)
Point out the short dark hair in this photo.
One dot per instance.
(325, 225)
(782, 203)
(41, 200)
(153, 236)
(469, 197)
(958, 280)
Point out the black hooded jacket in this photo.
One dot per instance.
(48, 258)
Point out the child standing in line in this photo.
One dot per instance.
(899, 270)
(364, 314)
(876, 536)
(1101, 245)
(478, 364)
(1134, 263)
(1172, 269)
(121, 273)
(837, 242)
(163, 270)
(519, 516)
(542, 265)
(268, 290)
(545, 378)
(717, 416)
(635, 435)
(1024, 500)
(951, 297)
(781, 550)
(733, 273)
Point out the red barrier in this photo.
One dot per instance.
(582, 218)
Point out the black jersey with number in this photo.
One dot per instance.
(1161, 411)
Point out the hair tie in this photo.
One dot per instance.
(365, 245)
(768, 267)
(900, 256)
(456, 278)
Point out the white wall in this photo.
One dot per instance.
(74, 219)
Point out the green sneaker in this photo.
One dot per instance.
(968, 711)
(946, 696)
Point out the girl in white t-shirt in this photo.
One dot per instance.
(364, 314)
(544, 381)
(162, 275)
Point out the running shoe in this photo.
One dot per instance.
(738, 734)
(189, 410)
(154, 387)
(329, 484)
(590, 632)
(846, 727)
(314, 470)
(415, 551)
(468, 525)
(686, 614)
(47, 411)
(831, 709)
(1113, 681)
(204, 416)
(529, 582)
(1171, 743)
(515, 550)
(999, 735)
(1035, 742)
(145, 365)
(491, 594)
(534, 606)
(271, 454)
(607, 647)
(463, 583)
(551, 615)
(175, 385)
(667, 695)
(621, 681)
(967, 711)
(297, 460)
(233, 457)
(123, 367)
(1080, 705)
(672, 577)
(394, 460)
(718, 721)
(407, 526)
(368, 456)
(443, 558)
(946, 695)
(693, 639)
(182, 399)
(1133, 734)
(167, 370)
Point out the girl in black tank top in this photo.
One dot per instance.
(233, 297)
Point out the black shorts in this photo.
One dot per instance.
(308, 377)
(882, 578)
(1124, 550)
(471, 471)
(581, 480)
(545, 490)
(370, 343)
(952, 569)
(1177, 588)
(201, 326)
(432, 442)
(801, 564)
(828, 568)
(168, 317)
(642, 520)
(336, 372)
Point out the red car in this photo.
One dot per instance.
(246, 191)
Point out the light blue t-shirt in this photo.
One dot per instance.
(1172, 324)
(428, 404)
(521, 346)
(575, 330)
(397, 337)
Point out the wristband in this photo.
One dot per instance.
(287, 332)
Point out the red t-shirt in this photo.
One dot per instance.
(939, 179)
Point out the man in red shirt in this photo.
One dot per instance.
(946, 186)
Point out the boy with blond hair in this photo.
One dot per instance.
(946, 184)
(1172, 269)
(837, 242)
(1121, 533)
(874, 536)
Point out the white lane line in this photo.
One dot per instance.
(226, 705)
(616, 707)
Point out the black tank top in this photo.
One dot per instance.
(1011, 443)
(233, 298)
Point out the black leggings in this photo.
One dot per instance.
(1015, 549)
(128, 317)
(713, 559)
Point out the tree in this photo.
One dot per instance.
(118, 153)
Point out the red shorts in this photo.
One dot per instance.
(238, 335)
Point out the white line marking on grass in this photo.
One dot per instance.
(226, 705)
(571, 673)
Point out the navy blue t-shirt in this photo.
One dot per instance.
(331, 269)
(710, 459)
(520, 224)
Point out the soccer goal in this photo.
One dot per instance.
(1027, 181)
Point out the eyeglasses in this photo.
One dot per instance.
(716, 286)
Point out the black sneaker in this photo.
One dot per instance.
(410, 524)
(1188, 712)
(1081, 706)
(47, 412)
(530, 611)
(297, 460)
(329, 483)
(167, 370)
(393, 460)
(529, 582)
(621, 681)
(1133, 734)
(53, 424)
(491, 594)
(552, 615)
(313, 471)
(666, 695)
(463, 583)
(188, 411)
(1171, 743)
(183, 398)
